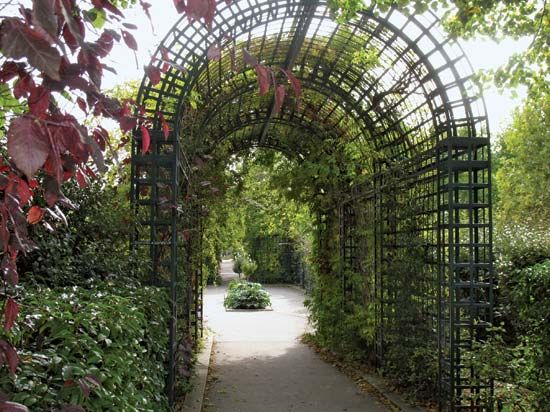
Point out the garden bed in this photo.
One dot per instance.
(246, 296)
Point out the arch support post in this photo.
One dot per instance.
(154, 196)
(466, 272)
(348, 246)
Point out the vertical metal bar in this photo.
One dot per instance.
(174, 272)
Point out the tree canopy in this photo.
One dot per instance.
(495, 19)
(522, 175)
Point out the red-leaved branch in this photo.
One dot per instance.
(51, 54)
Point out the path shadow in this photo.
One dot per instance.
(280, 377)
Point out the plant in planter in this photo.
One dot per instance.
(246, 295)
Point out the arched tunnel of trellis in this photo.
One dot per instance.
(413, 125)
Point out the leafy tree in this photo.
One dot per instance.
(495, 19)
(523, 176)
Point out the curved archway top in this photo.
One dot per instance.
(393, 82)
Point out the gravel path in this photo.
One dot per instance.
(259, 365)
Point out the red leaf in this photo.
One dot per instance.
(263, 78)
(9, 267)
(210, 14)
(294, 82)
(101, 136)
(35, 215)
(23, 191)
(146, 6)
(94, 380)
(11, 310)
(129, 40)
(13, 407)
(19, 41)
(10, 70)
(165, 59)
(112, 8)
(4, 235)
(180, 5)
(145, 139)
(82, 104)
(69, 38)
(23, 86)
(196, 9)
(27, 145)
(75, 26)
(88, 60)
(84, 387)
(249, 59)
(51, 191)
(39, 100)
(90, 172)
(130, 26)
(104, 44)
(127, 123)
(165, 126)
(81, 180)
(214, 53)
(43, 16)
(280, 92)
(153, 73)
(125, 109)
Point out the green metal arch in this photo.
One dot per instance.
(418, 108)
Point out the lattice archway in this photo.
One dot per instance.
(414, 116)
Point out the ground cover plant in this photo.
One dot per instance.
(242, 294)
(83, 346)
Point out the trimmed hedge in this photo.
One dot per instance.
(102, 348)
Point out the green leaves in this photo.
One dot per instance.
(513, 19)
(522, 177)
(246, 295)
(83, 347)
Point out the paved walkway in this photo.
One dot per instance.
(260, 366)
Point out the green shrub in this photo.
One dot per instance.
(249, 266)
(246, 295)
(279, 258)
(93, 246)
(519, 246)
(521, 363)
(102, 348)
(238, 264)
(243, 265)
(517, 355)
